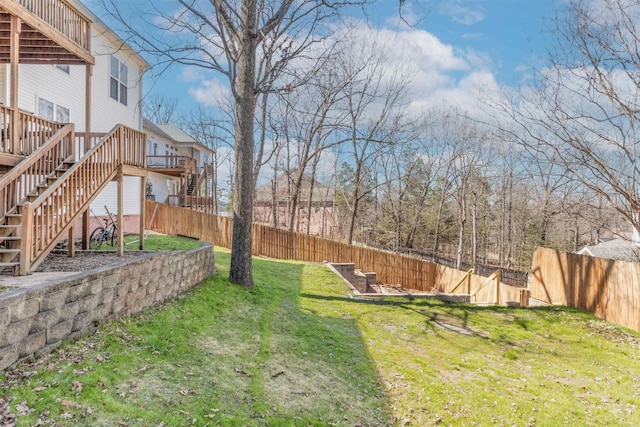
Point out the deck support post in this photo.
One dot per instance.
(120, 179)
(14, 59)
(143, 197)
(71, 247)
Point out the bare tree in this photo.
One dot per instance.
(160, 109)
(216, 133)
(582, 110)
(252, 44)
(372, 100)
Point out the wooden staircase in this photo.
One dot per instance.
(193, 182)
(44, 195)
(24, 183)
(10, 240)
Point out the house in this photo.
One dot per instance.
(180, 168)
(315, 214)
(619, 249)
(70, 128)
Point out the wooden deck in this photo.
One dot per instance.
(52, 32)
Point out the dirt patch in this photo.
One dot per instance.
(84, 260)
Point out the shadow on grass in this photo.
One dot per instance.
(319, 369)
(221, 355)
(462, 318)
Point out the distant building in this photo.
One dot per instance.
(615, 249)
(317, 213)
(180, 169)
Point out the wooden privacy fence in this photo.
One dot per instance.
(479, 288)
(390, 268)
(609, 289)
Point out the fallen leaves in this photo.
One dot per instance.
(77, 386)
(23, 409)
(70, 404)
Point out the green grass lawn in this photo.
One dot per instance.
(297, 351)
(155, 242)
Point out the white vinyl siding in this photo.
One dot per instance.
(106, 111)
(109, 197)
(162, 186)
(68, 90)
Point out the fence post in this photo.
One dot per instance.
(498, 287)
(524, 297)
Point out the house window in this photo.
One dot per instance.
(45, 109)
(64, 68)
(62, 114)
(155, 148)
(118, 81)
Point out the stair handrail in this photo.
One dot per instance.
(76, 188)
(13, 188)
(87, 157)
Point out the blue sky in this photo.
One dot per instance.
(461, 46)
(510, 32)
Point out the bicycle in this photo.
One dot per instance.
(107, 233)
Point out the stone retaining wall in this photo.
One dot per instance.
(35, 319)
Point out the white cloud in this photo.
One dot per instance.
(191, 74)
(210, 93)
(462, 12)
(438, 72)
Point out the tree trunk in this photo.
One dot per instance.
(436, 238)
(275, 203)
(414, 224)
(352, 220)
(314, 166)
(263, 133)
(474, 232)
(241, 267)
(463, 220)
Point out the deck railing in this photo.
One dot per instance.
(63, 17)
(199, 203)
(61, 204)
(33, 131)
(85, 141)
(27, 175)
(6, 114)
(171, 162)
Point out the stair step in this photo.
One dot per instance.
(9, 264)
(9, 251)
(9, 238)
(13, 221)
